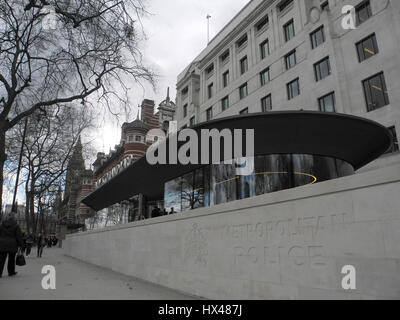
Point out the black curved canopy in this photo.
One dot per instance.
(353, 139)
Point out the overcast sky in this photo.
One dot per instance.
(176, 33)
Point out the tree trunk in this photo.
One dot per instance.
(27, 218)
(2, 161)
(32, 207)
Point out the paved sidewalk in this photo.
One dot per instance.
(77, 280)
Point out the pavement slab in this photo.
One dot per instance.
(77, 280)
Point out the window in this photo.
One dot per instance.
(264, 76)
(243, 91)
(210, 90)
(288, 29)
(210, 69)
(317, 37)
(284, 4)
(185, 91)
(225, 103)
(225, 78)
(244, 66)
(325, 5)
(209, 114)
(375, 92)
(395, 145)
(327, 103)
(266, 103)
(264, 49)
(263, 22)
(192, 121)
(322, 69)
(367, 48)
(138, 138)
(244, 111)
(224, 57)
(185, 110)
(290, 59)
(363, 12)
(293, 89)
(241, 41)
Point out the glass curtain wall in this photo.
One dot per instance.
(221, 183)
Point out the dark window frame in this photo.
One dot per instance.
(185, 91)
(262, 82)
(185, 110)
(209, 114)
(244, 111)
(286, 32)
(290, 91)
(314, 39)
(225, 83)
(361, 45)
(318, 71)
(240, 91)
(210, 69)
(210, 88)
(262, 23)
(242, 40)
(365, 5)
(367, 94)
(395, 142)
(325, 5)
(226, 98)
(224, 56)
(322, 108)
(287, 59)
(263, 55)
(284, 4)
(244, 66)
(264, 107)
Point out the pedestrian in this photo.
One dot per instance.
(10, 241)
(29, 243)
(23, 248)
(48, 240)
(41, 243)
(172, 211)
(164, 212)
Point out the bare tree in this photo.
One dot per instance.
(87, 53)
(47, 149)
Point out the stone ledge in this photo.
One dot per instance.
(357, 181)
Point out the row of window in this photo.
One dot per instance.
(326, 104)
(290, 59)
(289, 33)
(375, 91)
(366, 47)
(133, 138)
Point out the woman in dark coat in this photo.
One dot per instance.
(10, 240)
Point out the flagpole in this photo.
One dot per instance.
(208, 28)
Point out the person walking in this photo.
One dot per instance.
(10, 241)
(29, 243)
(23, 248)
(41, 243)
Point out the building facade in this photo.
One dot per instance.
(133, 145)
(295, 55)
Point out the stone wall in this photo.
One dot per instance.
(291, 244)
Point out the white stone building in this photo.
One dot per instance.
(294, 54)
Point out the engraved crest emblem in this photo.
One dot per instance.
(196, 246)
